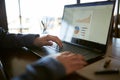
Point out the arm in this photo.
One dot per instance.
(45, 69)
(49, 67)
(53, 67)
(9, 40)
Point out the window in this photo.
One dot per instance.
(33, 16)
(83, 1)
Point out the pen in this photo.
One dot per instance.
(107, 72)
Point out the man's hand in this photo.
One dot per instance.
(47, 41)
(71, 61)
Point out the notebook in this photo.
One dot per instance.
(86, 29)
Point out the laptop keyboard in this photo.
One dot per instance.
(75, 49)
(90, 56)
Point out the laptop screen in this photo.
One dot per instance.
(87, 24)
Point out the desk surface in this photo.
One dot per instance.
(112, 54)
(15, 61)
(116, 48)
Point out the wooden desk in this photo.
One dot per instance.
(14, 61)
(116, 48)
(113, 54)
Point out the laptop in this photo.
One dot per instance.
(85, 29)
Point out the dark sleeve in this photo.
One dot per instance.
(9, 40)
(44, 69)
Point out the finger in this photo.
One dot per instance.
(81, 57)
(55, 39)
(73, 56)
(78, 56)
(46, 43)
(76, 62)
(80, 62)
(49, 43)
(64, 56)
